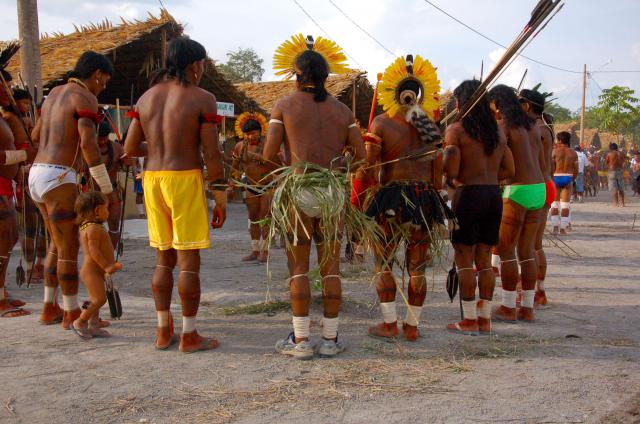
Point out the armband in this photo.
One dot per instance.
(275, 121)
(14, 156)
(212, 118)
(101, 176)
(370, 139)
(132, 114)
(94, 116)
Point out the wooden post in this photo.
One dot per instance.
(584, 90)
(118, 118)
(29, 35)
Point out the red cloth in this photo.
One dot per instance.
(132, 114)
(358, 192)
(94, 116)
(22, 146)
(6, 187)
(551, 192)
(211, 117)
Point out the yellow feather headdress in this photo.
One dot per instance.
(248, 116)
(407, 69)
(284, 59)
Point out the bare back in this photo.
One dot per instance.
(547, 147)
(467, 162)
(526, 148)
(316, 132)
(565, 159)
(615, 160)
(96, 235)
(6, 143)
(400, 139)
(170, 115)
(58, 128)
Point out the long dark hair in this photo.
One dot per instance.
(88, 63)
(314, 71)
(479, 122)
(509, 105)
(181, 52)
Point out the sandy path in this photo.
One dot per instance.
(579, 363)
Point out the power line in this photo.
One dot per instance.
(362, 29)
(325, 32)
(504, 47)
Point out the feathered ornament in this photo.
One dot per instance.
(284, 59)
(248, 116)
(411, 86)
(7, 52)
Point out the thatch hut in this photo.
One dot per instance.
(136, 48)
(353, 89)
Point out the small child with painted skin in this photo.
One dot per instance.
(92, 210)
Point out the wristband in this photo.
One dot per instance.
(14, 156)
(101, 176)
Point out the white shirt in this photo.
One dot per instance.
(582, 161)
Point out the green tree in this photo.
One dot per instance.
(617, 109)
(243, 65)
(560, 113)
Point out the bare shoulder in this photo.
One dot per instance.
(95, 232)
(206, 96)
(84, 99)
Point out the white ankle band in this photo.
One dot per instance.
(413, 315)
(140, 207)
(389, 314)
(564, 222)
(49, 294)
(329, 328)
(555, 220)
(188, 324)
(301, 327)
(527, 298)
(495, 261)
(163, 318)
(70, 303)
(540, 285)
(509, 298)
(255, 245)
(484, 308)
(469, 309)
(2, 296)
(565, 205)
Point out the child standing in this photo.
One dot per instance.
(92, 210)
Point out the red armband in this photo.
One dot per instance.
(94, 116)
(358, 191)
(372, 139)
(132, 114)
(213, 118)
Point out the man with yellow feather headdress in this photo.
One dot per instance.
(251, 128)
(315, 128)
(406, 205)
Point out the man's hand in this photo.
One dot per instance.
(220, 210)
(128, 160)
(116, 266)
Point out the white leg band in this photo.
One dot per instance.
(555, 220)
(188, 324)
(329, 328)
(413, 315)
(262, 245)
(565, 205)
(255, 245)
(555, 205)
(495, 261)
(564, 222)
(163, 318)
(509, 298)
(484, 309)
(301, 327)
(70, 303)
(389, 314)
(527, 298)
(140, 209)
(469, 309)
(49, 294)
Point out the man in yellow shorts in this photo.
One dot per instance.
(175, 127)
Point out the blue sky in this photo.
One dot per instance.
(604, 35)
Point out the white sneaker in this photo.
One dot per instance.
(330, 348)
(288, 346)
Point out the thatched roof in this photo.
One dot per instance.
(340, 86)
(134, 47)
(592, 136)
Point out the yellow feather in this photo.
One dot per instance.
(285, 56)
(244, 117)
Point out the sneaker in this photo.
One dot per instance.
(330, 348)
(288, 346)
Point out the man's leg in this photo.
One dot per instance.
(140, 204)
(527, 260)
(162, 289)
(467, 279)
(486, 285)
(565, 205)
(265, 207)
(51, 312)
(417, 258)
(329, 260)
(59, 203)
(386, 289)
(189, 290)
(541, 260)
(115, 208)
(253, 207)
(555, 212)
(510, 228)
(8, 239)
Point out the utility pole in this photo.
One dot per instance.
(29, 34)
(584, 90)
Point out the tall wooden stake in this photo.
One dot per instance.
(29, 35)
(584, 91)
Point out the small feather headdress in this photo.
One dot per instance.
(284, 59)
(250, 116)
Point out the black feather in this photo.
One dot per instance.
(7, 52)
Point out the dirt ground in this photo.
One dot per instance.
(579, 363)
